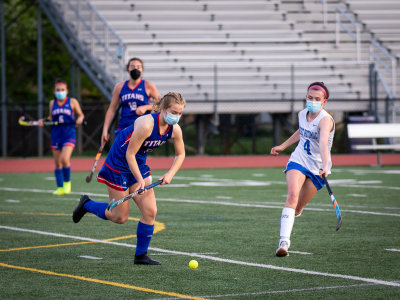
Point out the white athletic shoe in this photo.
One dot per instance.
(299, 214)
(283, 249)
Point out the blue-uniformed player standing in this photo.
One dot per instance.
(125, 170)
(134, 95)
(309, 161)
(63, 110)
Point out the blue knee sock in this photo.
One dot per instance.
(67, 173)
(97, 208)
(144, 234)
(59, 177)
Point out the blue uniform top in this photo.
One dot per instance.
(130, 101)
(63, 114)
(116, 158)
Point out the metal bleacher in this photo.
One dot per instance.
(236, 52)
(224, 50)
(381, 19)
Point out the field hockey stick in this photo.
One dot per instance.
(335, 204)
(96, 160)
(22, 122)
(113, 203)
(98, 155)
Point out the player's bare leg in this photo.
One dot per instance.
(120, 213)
(307, 192)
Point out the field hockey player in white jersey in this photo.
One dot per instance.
(309, 161)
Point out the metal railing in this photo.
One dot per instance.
(355, 34)
(385, 65)
(94, 32)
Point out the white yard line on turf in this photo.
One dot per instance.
(357, 195)
(393, 250)
(163, 254)
(382, 187)
(280, 291)
(213, 258)
(224, 203)
(366, 171)
(90, 257)
(8, 189)
(230, 182)
(309, 205)
(300, 252)
(291, 291)
(370, 213)
(271, 206)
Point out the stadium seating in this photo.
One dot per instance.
(381, 18)
(254, 48)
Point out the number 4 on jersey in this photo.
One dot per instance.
(307, 147)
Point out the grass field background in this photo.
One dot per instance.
(226, 219)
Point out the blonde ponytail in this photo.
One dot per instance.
(168, 99)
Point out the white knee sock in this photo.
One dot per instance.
(287, 220)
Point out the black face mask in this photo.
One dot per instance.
(135, 74)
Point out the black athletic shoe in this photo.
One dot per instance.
(80, 209)
(145, 260)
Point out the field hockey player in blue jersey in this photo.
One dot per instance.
(64, 110)
(134, 95)
(125, 170)
(309, 161)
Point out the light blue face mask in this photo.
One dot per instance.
(313, 107)
(171, 119)
(61, 95)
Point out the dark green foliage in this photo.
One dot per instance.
(22, 58)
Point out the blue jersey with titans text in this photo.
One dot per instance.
(116, 158)
(63, 114)
(131, 99)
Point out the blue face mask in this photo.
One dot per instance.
(61, 95)
(171, 119)
(313, 107)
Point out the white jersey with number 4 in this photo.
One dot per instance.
(307, 152)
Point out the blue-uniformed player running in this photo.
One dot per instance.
(125, 170)
(309, 161)
(63, 110)
(134, 95)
